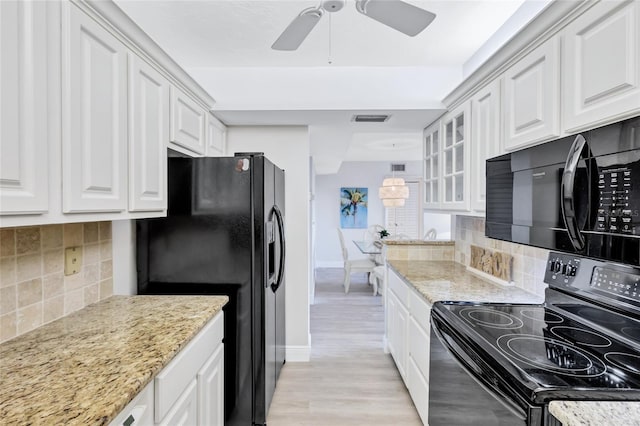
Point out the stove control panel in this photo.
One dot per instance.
(562, 269)
(615, 282)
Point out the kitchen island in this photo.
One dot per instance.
(86, 367)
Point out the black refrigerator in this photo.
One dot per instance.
(224, 235)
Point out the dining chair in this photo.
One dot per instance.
(431, 234)
(378, 280)
(372, 234)
(356, 265)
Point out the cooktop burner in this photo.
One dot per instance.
(580, 336)
(547, 316)
(490, 318)
(625, 361)
(551, 355)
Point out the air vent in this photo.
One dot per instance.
(370, 118)
(398, 168)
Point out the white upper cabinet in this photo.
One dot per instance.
(188, 122)
(455, 136)
(24, 139)
(216, 137)
(485, 128)
(431, 166)
(601, 65)
(532, 98)
(94, 138)
(148, 136)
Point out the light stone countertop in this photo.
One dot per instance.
(442, 280)
(86, 367)
(596, 413)
(446, 280)
(418, 242)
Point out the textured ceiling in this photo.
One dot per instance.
(348, 64)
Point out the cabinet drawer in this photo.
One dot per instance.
(420, 310)
(399, 287)
(174, 379)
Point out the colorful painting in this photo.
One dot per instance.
(353, 208)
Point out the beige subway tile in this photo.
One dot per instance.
(28, 240)
(91, 273)
(74, 282)
(53, 309)
(106, 250)
(91, 232)
(7, 242)
(51, 236)
(52, 285)
(7, 271)
(106, 288)
(28, 267)
(72, 235)
(8, 326)
(52, 261)
(106, 269)
(105, 231)
(73, 301)
(91, 294)
(29, 292)
(91, 253)
(8, 301)
(29, 318)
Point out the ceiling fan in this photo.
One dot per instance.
(399, 15)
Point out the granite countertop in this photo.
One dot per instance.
(86, 367)
(596, 413)
(447, 280)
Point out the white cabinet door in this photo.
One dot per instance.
(188, 122)
(216, 137)
(94, 142)
(185, 411)
(419, 390)
(148, 136)
(211, 390)
(401, 344)
(23, 108)
(485, 121)
(532, 98)
(455, 135)
(601, 65)
(431, 166)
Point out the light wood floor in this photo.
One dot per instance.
(350, 380)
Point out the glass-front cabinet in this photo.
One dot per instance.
(431, 165)
(446, 145)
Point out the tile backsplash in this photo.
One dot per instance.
(33, 287)
(528, 262)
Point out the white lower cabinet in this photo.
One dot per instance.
(189, 390)
(408, 338)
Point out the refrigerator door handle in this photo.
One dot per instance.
(280, 225)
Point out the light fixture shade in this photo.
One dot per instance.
(393, 192)
(393, 202)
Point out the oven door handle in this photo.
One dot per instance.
(566, 193)
(514, 408)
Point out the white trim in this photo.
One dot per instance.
(298, 353)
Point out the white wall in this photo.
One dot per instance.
(288, 148)
(367, 174)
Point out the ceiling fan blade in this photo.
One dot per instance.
(397, 14)
(298, 29)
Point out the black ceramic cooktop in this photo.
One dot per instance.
(568, 350)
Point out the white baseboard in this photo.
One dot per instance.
(329, 264)
(298, 353)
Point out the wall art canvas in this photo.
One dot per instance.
(353, 208)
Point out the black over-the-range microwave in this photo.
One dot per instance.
(579, 194)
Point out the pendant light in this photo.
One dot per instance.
(393, 191)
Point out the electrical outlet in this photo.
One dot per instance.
(72, 260)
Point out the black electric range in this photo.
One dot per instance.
(583, 343)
